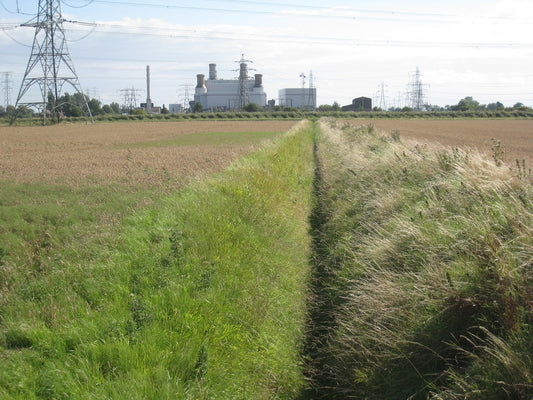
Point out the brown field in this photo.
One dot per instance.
(153, 153)
(515, 136)
(171, 153)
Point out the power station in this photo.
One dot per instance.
(229, 94)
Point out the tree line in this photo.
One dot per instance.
(72, 106)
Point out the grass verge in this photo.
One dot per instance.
(200, 295)
(423, 272)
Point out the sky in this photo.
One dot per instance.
(482, 49)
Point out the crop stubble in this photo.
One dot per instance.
(129, 154)
(515, 136)
(121, 153)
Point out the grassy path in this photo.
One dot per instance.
(200, 295)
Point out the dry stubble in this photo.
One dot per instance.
(120, 153)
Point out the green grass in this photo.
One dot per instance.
(420, 285)
(200, 295)
(423, 272)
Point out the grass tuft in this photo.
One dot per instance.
(418, 249)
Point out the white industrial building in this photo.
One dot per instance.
(304, 98)
(228, 94)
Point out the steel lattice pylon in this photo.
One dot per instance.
(243, 97)
(50, 66)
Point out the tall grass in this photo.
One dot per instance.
(199, 295)
(424, 257)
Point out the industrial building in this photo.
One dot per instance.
(359, 104)
(304, 98)
(175, 108)
(229, 94)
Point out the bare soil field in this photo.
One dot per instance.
(515, 136)
(152, 153)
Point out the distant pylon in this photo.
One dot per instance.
(243, 96)
(6, 81)
(50, 66)
(186, 99)
(311, 100)
(382, 98)
(415, 91)
(130, 98)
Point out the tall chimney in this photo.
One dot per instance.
(200, 81)
(258, 80)
(148, 99)
(212, 72)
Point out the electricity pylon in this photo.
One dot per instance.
(243, 96)
(6, 80)
(50, 66)
(416, 91)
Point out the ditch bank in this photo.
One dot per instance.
(422, 272)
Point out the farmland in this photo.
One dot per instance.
(265, 259)
(515, 135)
(152, 154)
(125, 291)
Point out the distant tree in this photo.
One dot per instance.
(325, 108)
(519, 105)
(495, 106)
(74, 111)
(164, 110)
(95, 106)
(10, 110)
(115, 107)
(252, 107)
(22, 112)
(106, 109)
(467, 104)
(336, 106)
(197, 108)
(3, 112)
(407, 109)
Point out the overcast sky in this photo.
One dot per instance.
(462, 48)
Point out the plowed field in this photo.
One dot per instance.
(515, 136)
(159, 153)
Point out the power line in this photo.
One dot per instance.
(310, 40)
(87, 3)
(347, 13)
(13, 12)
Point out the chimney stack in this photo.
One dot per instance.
(258, 80)
(200, 81)
(212, 72)
(148, 99)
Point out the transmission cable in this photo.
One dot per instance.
(14, 12)
(220, 35)
(88, 3)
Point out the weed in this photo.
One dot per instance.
(497, 152)
(522, 171)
